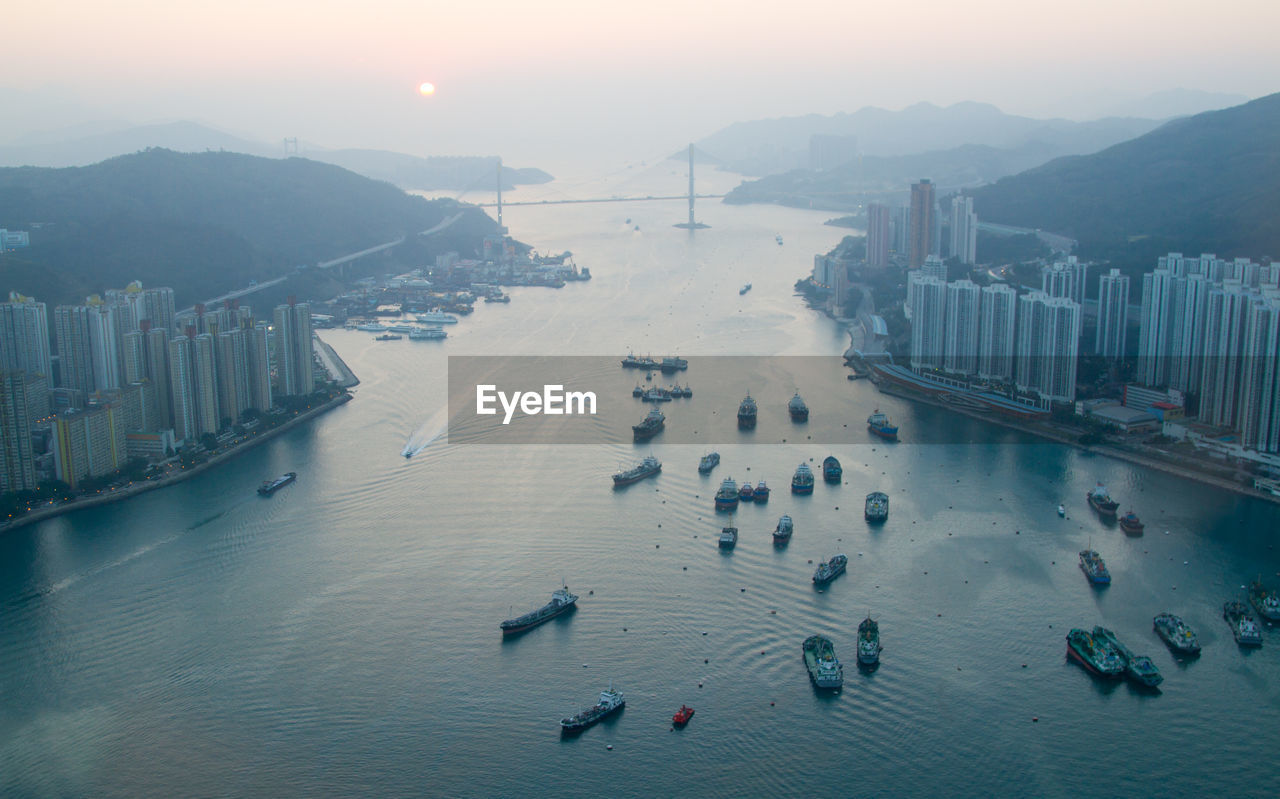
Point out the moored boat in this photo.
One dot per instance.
(610, 701)
(820, 659)
(727, 496)
(561, 602)
(1176, 634)
(829, 570)
(762, 492)
(1101, 501)
(1094, 567)
(876, 508)
(637, 391)
(645, 468)
(673, 364)
(831, 471)
(656, 394)
(782, 533)
(1130, 523)
(1267, 603)
(728, 536)
(1062, 511)
(869, 642)
(633, 362)
(437, 318)
(747, 413)
(269, 487)
(744, 289)
(1096, 656)
(1138, 668)
(388, 337)
(1243, 626)
(650, 426)
(682, 716)
(747, 493)
(427, 334)
(798, 410)
(802, 481)
(709, 461)
(880, 424)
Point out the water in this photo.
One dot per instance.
(341, 636)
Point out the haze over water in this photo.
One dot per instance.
(342, 636)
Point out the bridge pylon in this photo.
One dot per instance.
(692, 224)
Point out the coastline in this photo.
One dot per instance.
(144, 486)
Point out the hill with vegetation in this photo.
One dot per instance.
(203, 223)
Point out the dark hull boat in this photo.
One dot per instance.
(561, 602)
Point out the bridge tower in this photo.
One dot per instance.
(502, 231)
(692, 224)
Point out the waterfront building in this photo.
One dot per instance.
(258, 353)
(182, 388)
(1113, 315)
(928, 300)
(208, 413)
(960, 352)
(24, 336)
(879, 235)
(921, 237)
(1226, 317)
(1048, 346)
(996, 325)
(88, 443)
(293, 349)
(964, 230)
(233, 374)
(1260, 379)
(20, 394)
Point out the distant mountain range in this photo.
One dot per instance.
(1207, 183)
(91, 143)
(205, 223)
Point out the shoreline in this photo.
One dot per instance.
(217, 459)
(1174, 469)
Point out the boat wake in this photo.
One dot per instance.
(433, 429)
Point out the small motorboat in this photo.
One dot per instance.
(1062, 511)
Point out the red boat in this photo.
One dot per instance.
(1130, 524)
(682, 716)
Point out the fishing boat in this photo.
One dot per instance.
(880, 424)
(831, 471)
(876, 508)
(1130, 523)
(727, 496)
(829, 570)
(1138, 668)
(747, 493)
(798, 410)
(1176, 634)
(869, 642)
(561, 602)
(1094, 567)
(1096, 656)
(1243, 626)
(1102, 502)
(1267, 603)
(820, 659)
(682, 716)
(762, 492)
(610, 702)
(802, 480)
(747, 413)
(782, 533)
(709, 461)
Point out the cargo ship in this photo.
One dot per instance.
(782, 533)
(1138, 668)
(632, 362)
(829, 570)
(650, 426)
(762, 492)
(869, 642)
(802, 481)
(798, 410)
(880, 424)
(1267, 603)
(645, 468)
(1102, 501)
(1130, 523)
(610, 702)
(1094, 567)
(709, 461)
(1176, 634)
(820, 659)
(270, 487)
(561, 602)
(1096, 656)
(831, 470)
(877, 507)
(747, 413)
(727, 496)
(1243, 626)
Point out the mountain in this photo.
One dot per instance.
(90, 143)
(1206, 183)
(1172, 103)
(203, 223)
(767, 146)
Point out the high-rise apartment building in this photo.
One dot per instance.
(88, 443)
(24, 336)
(960, 353)
(923, 218)
(18, 394)
(964, 230)
(928, 298)
(879, 235)
(1113, 315)
(1048, 346)
(208, 413)
(258, 350)
(996, 325)
(1065, 279)
(233, 374)
(293, 347)
(182, 389)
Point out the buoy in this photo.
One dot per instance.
(624, 629)
(657, 546)
(684, 568)
(770, 704)
(704, 633)
(592, 592)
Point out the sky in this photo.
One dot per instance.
(539, 81)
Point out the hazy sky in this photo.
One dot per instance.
(535, 80)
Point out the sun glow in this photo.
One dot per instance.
(427, 89)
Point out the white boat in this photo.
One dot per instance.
(372, 327)
(1062, 511)
(437, 318)
(399, 328)
(426, 334)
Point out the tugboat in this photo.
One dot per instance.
(650, 426)
(1102, 501)
(798, 410)
(747, 413)
(645, 468)
(728, 536)
(270, 487)
(802, 481)
(829, 570)
(682, 716)
(610, 701)
(1096, 656)
(877, 507)
(1094, 567)
(747, 493)
(1267, 603)
(561, 602)
(1176, 634)
(1130, 523)
(727, 496)
(869, 642)
(1243, 625)
(762, 492)
(820, 658)
(782, 533)
(831, 470)
(708, 462)
(1138, 668)
(880, 424)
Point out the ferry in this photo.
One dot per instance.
(831, 470)
(747, 493)
(876, 508)
(1267, 603)
(561, 602)
(727, 496)
(747, 413)
(802, 480)
(762, 493)
(399, 328)
(744, 289)
(829, 570)
(1096, 656)
(270, 487)
(1176, 634)
(820, 659)
(610, 702)
(782, 533)
(437, 318)
(880, 424)
(1102, 501)
(645, 468)
(1243, 626)
(682, 716)
(427, 334)
(1138, 668)
(798, 410)
(869, 642)
(709, 461)
(673, 364)
(1130, 523)
(1094, 567)
(650, 426)
(372, 327)
(728, 537)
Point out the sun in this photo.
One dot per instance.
(427, 89)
